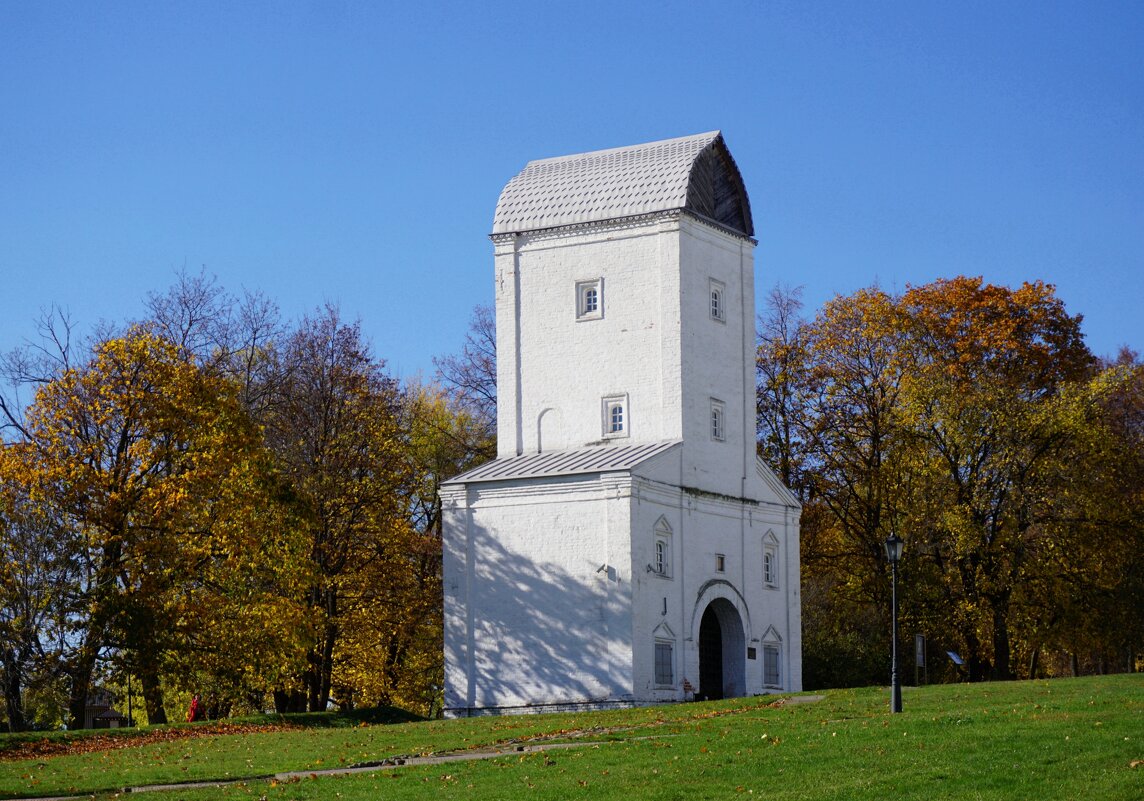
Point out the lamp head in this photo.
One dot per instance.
(894, 546)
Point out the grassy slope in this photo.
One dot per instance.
(1062, 739)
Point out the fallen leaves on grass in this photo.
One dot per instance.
(35, 749)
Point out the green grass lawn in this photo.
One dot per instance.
(1060, 739)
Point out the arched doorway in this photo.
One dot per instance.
(710, 657)
(722, 652)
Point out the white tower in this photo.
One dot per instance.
(626, 546)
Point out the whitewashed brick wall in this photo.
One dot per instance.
(548, 597)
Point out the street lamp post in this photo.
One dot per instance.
(894, 546)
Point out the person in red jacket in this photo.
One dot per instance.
(195, 712)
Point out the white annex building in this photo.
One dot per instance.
(627, 546)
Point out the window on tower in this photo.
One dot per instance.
(590, 299)
(770, 569)
(661, 556)
(718, 430)
(771, 561)
(718, 312)
(616, 416)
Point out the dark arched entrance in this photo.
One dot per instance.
(710, 657)
(722, 652)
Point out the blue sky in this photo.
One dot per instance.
(353, 152)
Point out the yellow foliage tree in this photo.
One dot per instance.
(148, 461)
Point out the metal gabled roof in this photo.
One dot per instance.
(597, 459)
(694, 173)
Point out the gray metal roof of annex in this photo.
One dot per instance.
(596, 459)
(694, 173)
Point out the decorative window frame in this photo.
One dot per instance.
(772, 660)
(717, 300)
(663, 657)
(718, 420)
(661, 562)
(585, 290)
(770, 561)
(608, 406)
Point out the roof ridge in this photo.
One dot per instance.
(644, 147)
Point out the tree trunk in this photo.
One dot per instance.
(1002, 671)
(1074, 663)
(79, 671)
(322, 657)
(13, 701)
(286, 702)
(1034, 658)
(152, 691)
(312, 679)
(327, 667)
(973, 662)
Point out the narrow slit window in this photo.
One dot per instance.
(771, 565)
(661, 554)
(771, 674)
(771, 568)
(718, 428)
(717, 308)
(664, 669)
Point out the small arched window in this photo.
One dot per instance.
(770, 561)
(661, 555)
(590, 299)
(616, 416)
(717, 310)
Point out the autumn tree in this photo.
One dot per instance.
(1082, 597)
(989, 362)
(783, 388)
(130, 451)
(470, 378)
(397, 656)
(37, 362)
(36, 582)
(969, 419)
(333, 428)
(844, 373)
(225, 335)
(219, 478)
